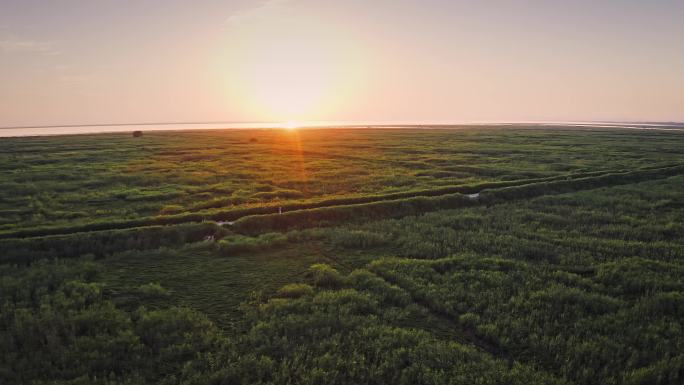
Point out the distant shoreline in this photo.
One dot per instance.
(55, 130)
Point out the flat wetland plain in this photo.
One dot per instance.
(473, 255)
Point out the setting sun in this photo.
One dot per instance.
(285, 71)
(291, 125)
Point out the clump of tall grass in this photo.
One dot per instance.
(325, 276)
(235, 244)
(153, 290)
(295, 290)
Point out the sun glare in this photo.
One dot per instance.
(283, 72)
(291, 125)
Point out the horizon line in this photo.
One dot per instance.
(350, 123)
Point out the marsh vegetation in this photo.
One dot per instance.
(468, 256)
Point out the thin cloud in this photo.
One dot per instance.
(248, 14)
(14, 45)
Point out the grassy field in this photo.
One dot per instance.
(564, 267)
(72, 180)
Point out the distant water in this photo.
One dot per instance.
(113, 128)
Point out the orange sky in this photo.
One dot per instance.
(74, 62)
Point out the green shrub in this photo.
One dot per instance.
(325, 276)
(294, 290)
(469, 319)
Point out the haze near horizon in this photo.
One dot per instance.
(77, 62)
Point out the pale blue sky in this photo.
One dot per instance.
(109, 61)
